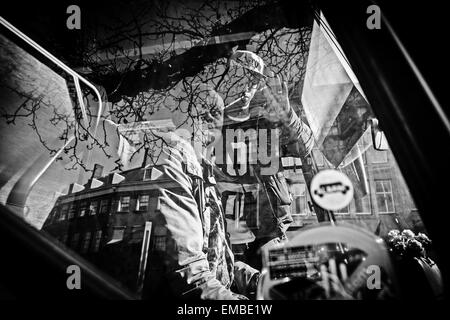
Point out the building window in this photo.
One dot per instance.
(72, 211)
(345, 210)
(137, 233)
(64, 211)
(124, 204)
(117, 234)
(104, 205)
(159, 239)
(83, 209)
(75, 240)
(86, 242)
(97, 240)
(54, 214)
(142, 202)
(159, 243)
(385, 199)
(291, 163)
(299, 203)
(93, 208)
(147, 173)
(358, 205)
(361, 205)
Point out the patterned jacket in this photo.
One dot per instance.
(194, 259)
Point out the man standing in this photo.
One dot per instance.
(257, 89)
(192, 258)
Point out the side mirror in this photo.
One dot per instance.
(379, 140)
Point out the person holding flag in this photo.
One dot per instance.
(258, 87)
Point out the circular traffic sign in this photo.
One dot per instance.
(331, 189)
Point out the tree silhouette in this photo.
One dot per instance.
(148, 57)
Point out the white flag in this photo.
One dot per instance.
(326, 86)
(334, 104)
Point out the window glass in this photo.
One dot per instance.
(299, 202)
(83, 209)
(104, 206)
(117, 234)
(147, 173)
(385, 200)
(72, 211)
(345, 210)
(124, 203)
(137, 233)
(142, 204)
(86, 242)
(93, 208)
(63, 213)
(255, 110)
(97, 240)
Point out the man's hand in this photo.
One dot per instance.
(277, 98)
(245, 279)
